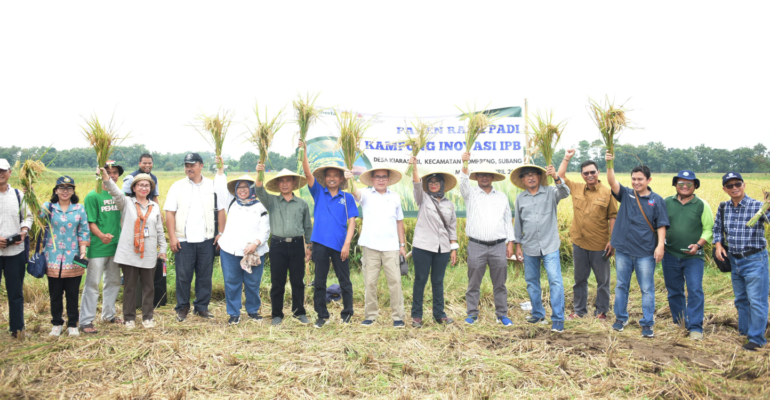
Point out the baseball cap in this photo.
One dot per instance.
(731, 175)
(686, 174)
(4, 164)
(192, 158)
(65, 180)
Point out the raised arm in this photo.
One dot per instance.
(465, 184)
(357, 193)
(306, 165)
(565, 163)
(413, 163)
(113, 189)
(614, 184)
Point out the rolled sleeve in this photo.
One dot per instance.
(465, 187)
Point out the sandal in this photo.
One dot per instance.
(89, 328)
(115, 320)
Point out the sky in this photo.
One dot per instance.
(690, 72)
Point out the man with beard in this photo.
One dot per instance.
(145, 167)
(594, 212)
(691, 228)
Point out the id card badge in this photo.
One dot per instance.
(146, 232)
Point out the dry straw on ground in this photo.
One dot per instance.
(213, 128)
(104, 139)
(352, 127)
(611, 120)
(262, 135)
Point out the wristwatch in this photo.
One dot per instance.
(700, 246)
(403, 244)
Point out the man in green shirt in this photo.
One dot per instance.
(291, 231)
(691, 222)
(104, 223)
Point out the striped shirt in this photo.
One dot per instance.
(488, 215)
(741, 238)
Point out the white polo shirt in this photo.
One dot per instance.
(380, 214)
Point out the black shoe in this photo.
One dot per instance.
(255, 317)
(302, 319)
(181, 315)
(205, 314)
(320, 323)
(233, 320)
(751, 346)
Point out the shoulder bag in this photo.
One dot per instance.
(723, 266)
(21, 219)
(636, 195)
(38, 264)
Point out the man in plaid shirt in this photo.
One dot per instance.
(746, 248)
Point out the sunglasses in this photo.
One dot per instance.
(587, 173)
(685, 185)
(734, 185)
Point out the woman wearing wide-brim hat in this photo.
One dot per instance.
(435, 240)
(243, 245)
(516, 175)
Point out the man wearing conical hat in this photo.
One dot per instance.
(490, 238)
(292, 231)
(537, 238)
(335, 215)
(382, 240)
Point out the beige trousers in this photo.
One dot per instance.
(373, 262)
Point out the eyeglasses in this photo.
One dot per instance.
(688, 185)
(589, 173)
(734, 185)
(437, 183)
(66, 188)
(145, 186)
(380, 177)
(529, 175)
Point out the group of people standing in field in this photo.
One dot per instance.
(242, 222)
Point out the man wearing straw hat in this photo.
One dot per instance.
(104, 221)
(335, 215)
(537, 238)
(490, 239)
(382, 240)
(292, 229)
(594, 213)
(190, 207)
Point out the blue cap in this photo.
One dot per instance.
(731, 175)
(686, 174)
(65, 180)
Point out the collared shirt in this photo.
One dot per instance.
(195, 225)
(430, 233)
(69, 230)
(331, 214)
(690, 222)
(632, 235)
(288, 219)
(488, 214)
(381, 213)
(9, 220)
(536, 225)
(245, 224)
(593, 207)
(741, 238)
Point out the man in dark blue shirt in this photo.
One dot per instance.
(746, 248)
(334, 215)
(641, 218)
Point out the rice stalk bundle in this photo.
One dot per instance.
(104, 139)
(30, 173)
(545, 136)
(213, 129)
(423, 134)
(753, 221)
(478, 122)
(611, 120)
(352, 128)
(262, 135)
(306, 113)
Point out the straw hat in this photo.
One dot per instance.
(272, 184)
(449, 181)
(144, 177)
(234, 181)
(487, 169)
(367, 178)
(516, 172)
(320, 175)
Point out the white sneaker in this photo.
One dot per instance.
(129, 325)
(148, 323)
(56, 331)
(73, 332)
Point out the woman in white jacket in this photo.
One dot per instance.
(243, 244)
(142, 241)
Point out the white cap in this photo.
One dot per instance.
(4, 164)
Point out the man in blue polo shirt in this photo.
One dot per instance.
(334, 214)
(642, 218)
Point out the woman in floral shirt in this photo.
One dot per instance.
(70, 233)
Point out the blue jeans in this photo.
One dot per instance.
(238, 281)
(677, 272)
(532, 276)
(645, 274)
(750, 285)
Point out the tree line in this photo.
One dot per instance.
(654, 154)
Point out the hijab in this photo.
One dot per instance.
(438, 195)
(251, 199)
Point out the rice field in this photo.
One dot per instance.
(208, 359)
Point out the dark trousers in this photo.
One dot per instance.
(321, 256)
(194, 259)
(585, 262)
(13, 269)
(69, 288)
(287, 258)
(130, 276)
(429, 264)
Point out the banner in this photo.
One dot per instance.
(500, 147)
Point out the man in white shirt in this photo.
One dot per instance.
(490, 239)
(191, 205)
(14, 220)
(382, 240)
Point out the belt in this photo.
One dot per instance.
(279, 239)
(747, 253)
(492, 243)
